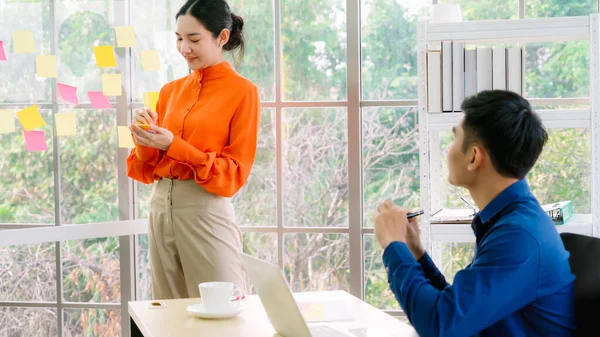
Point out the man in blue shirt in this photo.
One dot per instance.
(519, 282)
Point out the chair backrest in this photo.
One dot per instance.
(585, 264)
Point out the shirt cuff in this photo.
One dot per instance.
(395, 254)
(144, 153)
(181, 151)
(426, 262)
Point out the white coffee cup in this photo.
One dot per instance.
(217, 296)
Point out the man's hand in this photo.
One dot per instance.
(159, 138)
(413, 238)
(390, 224)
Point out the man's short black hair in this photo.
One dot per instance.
(506, 126)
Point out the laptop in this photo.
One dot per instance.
(280, 305)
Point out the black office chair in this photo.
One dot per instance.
(585, 264)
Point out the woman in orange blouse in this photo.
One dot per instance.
(200, 148)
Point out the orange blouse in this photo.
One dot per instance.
(214, 114)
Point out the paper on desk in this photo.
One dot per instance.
(334, 311)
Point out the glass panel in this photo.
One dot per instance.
(154, 25)
(389, 48)
(487, 9)
(27, 178)
(547, 8)
(144, 269)
(315, 167)
(92, 323)
(16, 322)
(377, 288)
(91, 270)
(256, 203)
(261, 245)
(563, 171)
(557, 69)
(78, 32)
(315, 262)
(18, 82)
(89, 186)
(455, 256)
(145, 192)
(390, 158)
(313, 38)
(259, 62)
(28, 273)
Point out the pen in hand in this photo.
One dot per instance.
(414, 214)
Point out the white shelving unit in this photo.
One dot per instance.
(583, 28)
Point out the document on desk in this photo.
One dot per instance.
(332, 311)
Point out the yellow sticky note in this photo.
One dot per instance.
(7, 121)
(111, 85)
(150, 100)
(45, 66)
(150, 60)
(125, 139)
(23, 42)
(105, 56)
(31, 118)
(65, 124)
(125, 36)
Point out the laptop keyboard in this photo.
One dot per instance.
(325, 331)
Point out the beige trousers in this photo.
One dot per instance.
(193, 239)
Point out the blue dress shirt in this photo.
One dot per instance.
(518, 284)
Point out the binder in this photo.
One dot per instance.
(484, 68)
(470, 72)
(458, 75)
(514, 70)
(499, 69)
(434, 81)
(447, 76)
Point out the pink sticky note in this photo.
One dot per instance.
(68, 93)
(2, 53)
(35, 141)
(99, 101)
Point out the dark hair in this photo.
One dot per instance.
(215, 15)
(506, 126)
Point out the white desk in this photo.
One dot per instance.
(173, 319)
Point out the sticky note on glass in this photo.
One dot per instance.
(68, 93)
(23, 42)
(105, 56)
(98, 100)
(65, 124)
(111, 85)
(31, 118)
(45, 66)
(150, 100)
(2, 53)
(125, 138)
(150, 60)
(35, 141)
(125, 36)
(7, 121)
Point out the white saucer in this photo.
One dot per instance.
(198, 310)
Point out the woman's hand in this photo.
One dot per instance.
(145, 116)
(157, 137)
